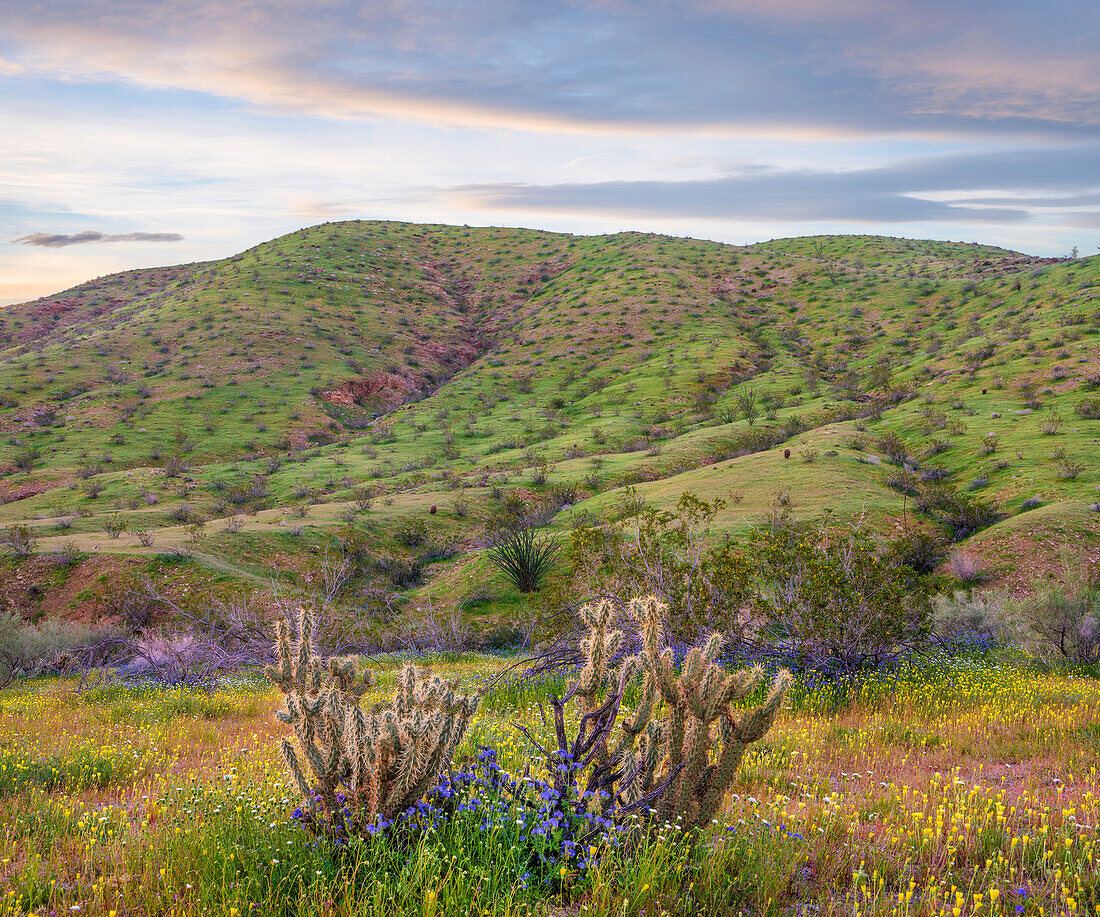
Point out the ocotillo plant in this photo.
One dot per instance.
(677, 754)
(363, 768)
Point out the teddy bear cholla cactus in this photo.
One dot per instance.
(676, 755)
(699, 743)
(364, 768)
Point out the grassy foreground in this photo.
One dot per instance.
(962, 787)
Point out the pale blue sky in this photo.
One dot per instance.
(143, 132)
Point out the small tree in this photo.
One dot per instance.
(703, 581)
(1065, 618)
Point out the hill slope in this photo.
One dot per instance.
(425, 359)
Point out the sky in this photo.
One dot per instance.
(136, 133)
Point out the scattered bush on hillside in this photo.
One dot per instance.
(1088, 409)
(962, 514)
(968, 569)
(920, 549)
(26, 459)
(114, 526)
(1068, 467)
(92, 489)
(19, 540)
(411, 532)
(1051, 423)
(66, 555)
(746, 405)
(893, 447)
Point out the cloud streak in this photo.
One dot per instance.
(63, 240)
(933, 189)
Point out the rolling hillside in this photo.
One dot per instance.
(347, 377)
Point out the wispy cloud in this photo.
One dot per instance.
(932, 189)
(810, 66)
(63, 240)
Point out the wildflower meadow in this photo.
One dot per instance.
(956, 785)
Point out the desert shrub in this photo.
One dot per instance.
(1050, 423)
(671, 555)
(1088, 409)
(180, 513)
(524, 558)
(1064, 617)
(19, 540)
(411, 532)
(746, 405)
(254, 490)
(92, 489)
(27, 649)
(989, 444)
(114, 526)
(893, 447)
(540, 473)
(402, 572)
(968, 569)
(962, 514)
(837, 606)
(966, 621)
(174, 466)
(67, 555)
(1068, 467)
(903, 481)
(921, 549)
(363, 497)
(360, 770)
(26, 459)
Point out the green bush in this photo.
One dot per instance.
(838, 605)
(669, 555)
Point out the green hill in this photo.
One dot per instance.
(427, 362)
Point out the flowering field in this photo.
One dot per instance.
(957, 788)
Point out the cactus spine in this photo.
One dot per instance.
(363, 768)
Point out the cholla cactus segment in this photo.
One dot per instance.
(678, 751)
(360, 769)
(703, 737)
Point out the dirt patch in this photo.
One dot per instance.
(374, 389)
(10, 493)
(1025, 560)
